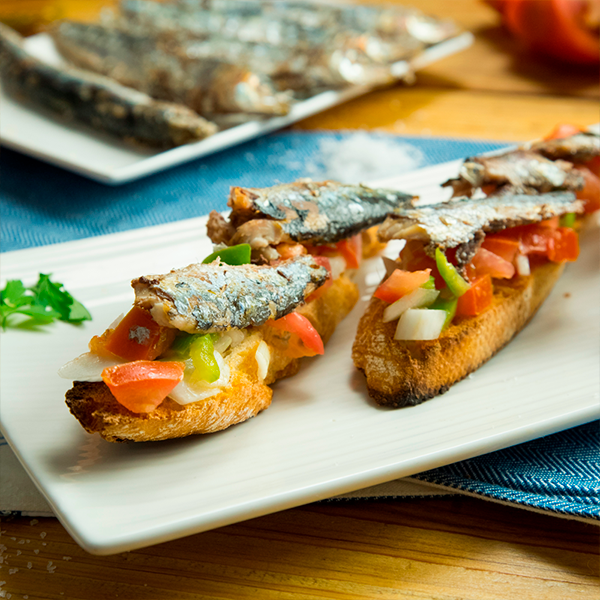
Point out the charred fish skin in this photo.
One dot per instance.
(97, 101)
(463, 223)
(319, 212)
(518, 171)
(139, 60)
(578, 148)
(206, 298)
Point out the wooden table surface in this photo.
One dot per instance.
(445, 548)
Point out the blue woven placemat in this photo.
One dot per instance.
(41, 204)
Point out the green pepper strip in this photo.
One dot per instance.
(568, 220)
(447, 302)
(458, 286)
(203, 356)
(234, 255)
(429, 284)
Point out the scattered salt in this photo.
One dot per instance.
(363, 157)
(43, 534)
(36, 551)
(12, 571)
(21, 542)
(33, 522)
(29, 565)
(18, 552)
(66, 558)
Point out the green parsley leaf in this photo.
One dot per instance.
(43, 303)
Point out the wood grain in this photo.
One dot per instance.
(439, 549)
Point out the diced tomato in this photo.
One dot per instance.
(351, 251)
(142, 385)
(594, 165)
(413, 258)
(563, 130)
(139, 337)
(323, 261)
(558, 245)
(488, 263)
(504, 247)
(477, 298)
(400, 283)
(299, 325)
(590, 194)
(563, 246)
(552, 223)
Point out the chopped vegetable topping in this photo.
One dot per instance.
(351, 250)
(400, 283)
(142, 385)
(447, 302)
(476, 299)
(139, 337)
(202, 354)
(420, 324)
(299, 325)
(458, 286)
(43, 303)
(234, 255)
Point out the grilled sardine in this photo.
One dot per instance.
(218, 297)
(97, 101)
(578, 148)
(304, 211)
(207, 85)
(462, 223)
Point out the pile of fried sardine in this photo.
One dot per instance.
(189, 68)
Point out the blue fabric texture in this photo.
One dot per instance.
(559, 473)
(41, 204)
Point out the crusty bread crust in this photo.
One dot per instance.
(405, 373)
(97, 410)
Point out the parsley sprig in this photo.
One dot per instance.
(42, 303)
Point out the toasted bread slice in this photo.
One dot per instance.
(247, 394)
(405, 373)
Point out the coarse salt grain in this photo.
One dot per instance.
(43, 534)
(362, 157)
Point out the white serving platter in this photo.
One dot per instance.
(322, 436)
(103, 158)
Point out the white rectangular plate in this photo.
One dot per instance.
(322, 436)
(103, 158)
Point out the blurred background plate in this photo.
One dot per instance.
(104, 159)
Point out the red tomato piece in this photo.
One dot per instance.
(142, 385)
(563, 246)
(476, 299)
(504, 247)
(323, 261)
(400, 283)
(594, 165)
(590, 194)
(351, 251)
(413, 258)
(563, 130)
(139, 337)
(299, 325)
(552, 223)
(488, 263)
(554, 28)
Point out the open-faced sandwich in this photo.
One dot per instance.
(474, 270)
(201, 345)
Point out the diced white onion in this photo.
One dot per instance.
(417, 299)
(87, 367)
(223, 343)
(186, 392)
(237, 337)
(263, 358)
(420, 324)
(522, 264)
(338, 266)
